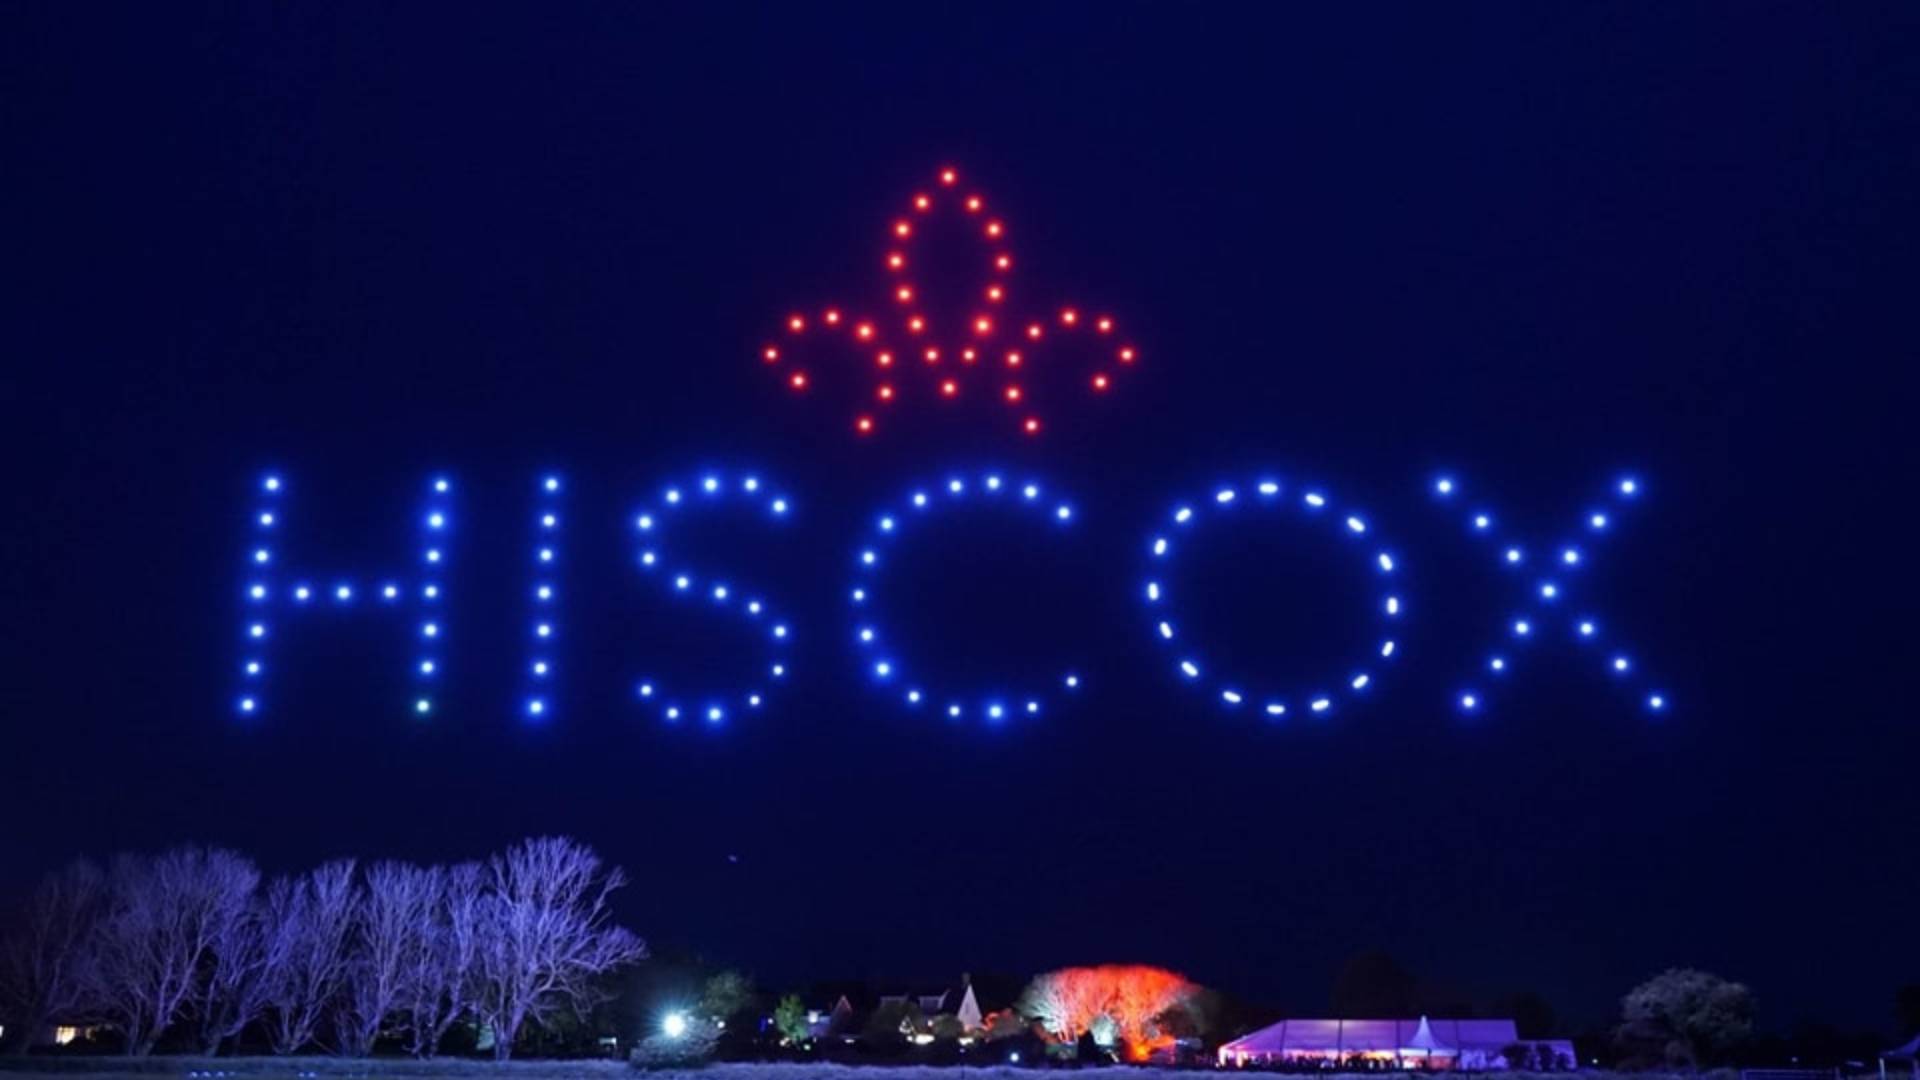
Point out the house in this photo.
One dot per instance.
(1403, 1044)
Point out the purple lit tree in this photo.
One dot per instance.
(548, 936)
(389, 938)
(41, 979)
(309, 919)
(439, 984)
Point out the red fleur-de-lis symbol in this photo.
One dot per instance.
(951, 346)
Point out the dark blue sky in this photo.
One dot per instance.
(1533, 245)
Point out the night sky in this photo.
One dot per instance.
(1537, 247)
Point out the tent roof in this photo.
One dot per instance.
(1356, 1036)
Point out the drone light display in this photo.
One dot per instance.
(274, 596)
(650, 524)
(888, 527)
(986, 353)
(986, 350)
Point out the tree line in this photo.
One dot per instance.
(195, 945)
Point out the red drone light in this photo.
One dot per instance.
(958, 330)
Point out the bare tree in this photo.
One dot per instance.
(440, 983)
(234, 990)
(389, 936)
(548, 936)
(309, 920)
(150, 948)
(40, 976)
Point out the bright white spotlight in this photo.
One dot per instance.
(674, 1025)
(1443, 485)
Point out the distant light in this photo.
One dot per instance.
(1444, 486)
(535, 706)
(1386, 648)
(1597, 521)
(1073, 682)
(552, 483)
(1316, 499)
(955, 486)
(1183, 515)
(1393, 605)
(995, 711)
(1586, 629)
(1469, 702)
(1268, 487)
(715, 714)
(1481, 521)
(681, 582)
(260, 555)
(1386, 562)
(645, 521)
(247, 704)
(271, 483)
(1497, 663)
(710, 484)
(646, 689)
(257, 630)
(779, 506)
(430, 630)
(1320, 704)
(1159, 546)
(780, 631)
(1522, 628)
(1570, 556)
(673, 495)
(426, 667)
(1033, 707)
(883, 669)
(544, 592)
(1354, 524)
(1231, 697)
(1064, 512)
(390, 592)
(1656, 702)
(953, 710)
(540, 668)
(434, 521)
(546, 554)
(258, 592)
(1620, 663)
(423, 706)
(1031, 491)
(1513, 555)
(548, 521)
(1359, 682)
(1223, 496)
(266, 519)
(253, 667)
(1548, 590)
(440, 486)
(868, 557)
(719, 592)
(673, 712)
(1629, 486)
(1188, 668)
(343, 592)
(1274, 708)
(433, 555)
(1166, 631)
(913, 697)
(1153, 590)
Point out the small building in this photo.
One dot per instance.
(1404, 1044)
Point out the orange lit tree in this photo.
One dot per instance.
(1133, 997)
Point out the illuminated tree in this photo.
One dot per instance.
(547, 936)
(389, 935)
(40, 961)
(439, 984)
(790, 1019)
(163, 917)
(1686, 1017)
(1131, 997)
(309, 920)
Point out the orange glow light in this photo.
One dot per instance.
(1105, 325)
(949, 388)
(771, 354)
(1126, 355)
(886, 359)
(916, 324)
(1034, 331)
(1013, 393)
(904, 294)
(1004, 262)
(1032, 425)
(885, 392)
(895, 260)
(994, 293)
(973, 204)
(864, 331)
(994, 228)
(832, 317)
(1099, 382)
(966, 356)
(933, 356)
(1013, 359)
(901, 228)
(948, 176)
(799, 380)
(796, 324)
(864, 425)
(1069, 316)
(982, 325)
(921, 202)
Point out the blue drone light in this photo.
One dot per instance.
(1546, 596)
(1231, 691)
(887, 669)
(719, 491)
